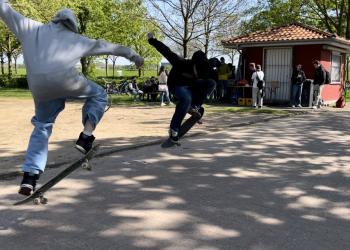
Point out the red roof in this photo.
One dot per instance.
(289, 33)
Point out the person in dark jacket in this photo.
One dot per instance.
(298, 79)
(188, 81)
(319, 80)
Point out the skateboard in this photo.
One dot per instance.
(185, 127)
(38, 195)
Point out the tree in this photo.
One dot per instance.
(178, 20)
(218, 17)
(274, 13)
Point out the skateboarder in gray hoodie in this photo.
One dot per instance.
(51, 52)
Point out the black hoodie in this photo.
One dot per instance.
(182, 72)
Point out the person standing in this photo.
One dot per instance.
(224, 73)
(163, 87)
(298, 79)
(319, 81)
(258, 86)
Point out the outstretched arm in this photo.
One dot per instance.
(16, 22)
(164, 50)
(102, 47)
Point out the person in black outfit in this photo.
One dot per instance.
(188, 81)
(298, 78)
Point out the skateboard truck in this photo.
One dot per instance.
(40, 200)
(86, 165)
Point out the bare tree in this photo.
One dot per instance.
(219, 16)
(2, 61)
(178, 20)
(16, 53)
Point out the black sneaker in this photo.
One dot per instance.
(28, 183)
(174, 136)
(194, 111)
(84, 143)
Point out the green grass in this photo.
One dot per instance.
(101, 73)
(348, 96)
(15, 93)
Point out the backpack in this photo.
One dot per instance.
(328, 78)
(260, 83)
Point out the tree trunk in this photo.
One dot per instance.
(9, 56)
(84, 65)
(113, 68)
(347, 33)
(206, 45)
(184, 45)
(15, 59)
(9, 65)
(2, 61)
(106, 59)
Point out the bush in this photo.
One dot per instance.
(19, 82)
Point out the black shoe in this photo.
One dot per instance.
(194, 111)
(28, 183)
(84, 143)
(174, 136)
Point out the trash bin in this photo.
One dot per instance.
(307, 93)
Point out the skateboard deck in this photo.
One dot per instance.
(38, 195)
(185, 127)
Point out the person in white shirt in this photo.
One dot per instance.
(163, 87)
(258, 87)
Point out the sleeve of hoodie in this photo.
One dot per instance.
(172, 57)
(102, 47)
(16, 22)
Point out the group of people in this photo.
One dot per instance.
(51, 52)
(53, 78)
(298, 79)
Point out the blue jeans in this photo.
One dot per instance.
(164, 97)
(46, 113)
(296, 94)
(187, 97)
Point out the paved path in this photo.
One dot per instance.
(283, 184)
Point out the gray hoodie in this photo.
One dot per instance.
(54, 49)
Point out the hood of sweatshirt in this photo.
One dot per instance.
(67, 18)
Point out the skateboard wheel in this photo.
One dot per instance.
(86, 166)
(36, 201)
(43, 200)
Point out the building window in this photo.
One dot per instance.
(336, 66)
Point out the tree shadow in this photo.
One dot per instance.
(276, 185)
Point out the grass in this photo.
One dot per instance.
(21, 71)
(348, 96)
(15, 93)
(127, 100)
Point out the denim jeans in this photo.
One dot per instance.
(317, 97)
(187, 97)
(46, 113)
(296, 94)
(164, 97)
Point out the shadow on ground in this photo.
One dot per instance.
(277, 185)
